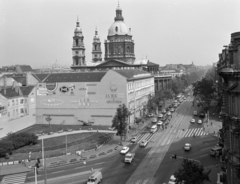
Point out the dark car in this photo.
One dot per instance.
(202, 114)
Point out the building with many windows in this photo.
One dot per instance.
(17, 102)
(93, 96)
(228, 69)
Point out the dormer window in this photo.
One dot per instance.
(116, 29)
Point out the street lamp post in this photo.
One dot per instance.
(44, 163)
(66, 146)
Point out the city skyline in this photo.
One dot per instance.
(38, 33)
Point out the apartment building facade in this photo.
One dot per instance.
(228, 69)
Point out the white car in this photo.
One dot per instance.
(144, 143)
(169, 113)
(124, 150)
(160, 115)
(172, 109)
(172, 180)
(164, 111)
(134, 140)
(187, 147)
(192, 121)
(159, 123)
(199, 121)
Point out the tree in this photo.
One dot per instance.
(191, 172)
(151, 105)
(120, 120)
(6, 146)
(203, 91)
(48, 119)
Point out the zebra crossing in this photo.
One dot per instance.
(14, 178)
(189, 132)
(143, 136)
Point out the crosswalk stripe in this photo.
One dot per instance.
(14, 178)
(166, 138)
(189, 132)
(179, 132)
(199, 132)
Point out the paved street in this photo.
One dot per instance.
(152, 164)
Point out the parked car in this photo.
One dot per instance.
(169, 113)
(159, 123)
(160, 115)
(164, 111)
(187, 147)
(124, 150)
(150, 115)
(172, 110)
(175, 105)
(199, 121)
(192, 121)
(154, 120)
(144, 143)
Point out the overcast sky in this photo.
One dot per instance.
(39, 32)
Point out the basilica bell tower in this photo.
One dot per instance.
(78, 49)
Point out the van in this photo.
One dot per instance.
(217, 150)
(95, 178)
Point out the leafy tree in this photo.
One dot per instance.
(203, 91)
(151, 105)
(191, 172)
(6, 146)
(120, 120)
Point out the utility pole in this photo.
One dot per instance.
(44, 163)
(66, 147)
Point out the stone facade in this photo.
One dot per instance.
(228, 69)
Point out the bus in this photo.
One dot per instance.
(153, 128)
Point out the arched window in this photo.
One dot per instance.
(77, 42)
(116, 29)
(95, 47)
(77, 62)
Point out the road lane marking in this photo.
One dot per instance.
(99, 163)
(79, 167)
(204, 155)
(58, 171)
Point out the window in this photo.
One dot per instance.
(26, 111)
(8, 114)
(22, 111)
(16, 111)
(13, 103)
(21, 101)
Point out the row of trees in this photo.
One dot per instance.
(204, 89)
(14, 141)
